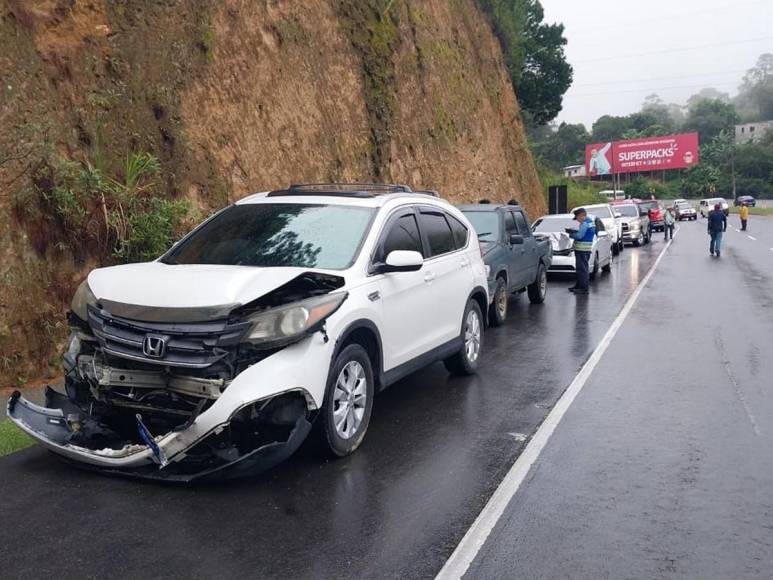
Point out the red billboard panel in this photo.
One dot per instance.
(647, 154)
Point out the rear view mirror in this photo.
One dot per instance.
(403, 261)
(516, 239)
(603, 234)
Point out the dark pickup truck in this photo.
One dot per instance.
(515, 260)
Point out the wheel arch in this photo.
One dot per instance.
(481, 297)
(365, 333)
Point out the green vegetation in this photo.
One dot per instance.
(710, 113)
(578, 193)
(372, 26)
(534, 55)
(11, 438)
(121, 217)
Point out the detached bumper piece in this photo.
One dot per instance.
(257, 438)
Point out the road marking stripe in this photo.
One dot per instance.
(464, 554)
(752, 238)
(736, 229)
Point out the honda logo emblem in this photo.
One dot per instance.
(154, 346)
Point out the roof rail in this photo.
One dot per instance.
(341, 189)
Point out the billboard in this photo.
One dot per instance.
(647, 154)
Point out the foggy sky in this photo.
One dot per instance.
(607, 39)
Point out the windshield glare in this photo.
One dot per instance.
(485, 224)
(548, 225)
(277, 235)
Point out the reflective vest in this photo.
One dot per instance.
(585, 244)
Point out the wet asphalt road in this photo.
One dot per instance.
(662, 467)
(436, 449)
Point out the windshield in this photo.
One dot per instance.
(628, 210)
(683, 205)
(277, 235)
(600, 211)
(649, 204)
(547, 225)
(485, 224)
(716, 200)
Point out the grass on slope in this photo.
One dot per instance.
(11, 438)
(755, 210)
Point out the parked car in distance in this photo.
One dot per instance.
(285, 308)
(745, 199)
(606, 213)
(553, 228)
(685, 211)
(707, 205)
(654, 210)
(634, 223)
(515, 260)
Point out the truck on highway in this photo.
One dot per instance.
(516, 261)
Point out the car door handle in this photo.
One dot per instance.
(429, 277)
(465, 262)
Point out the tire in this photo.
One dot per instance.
(538, 289)
(498, 309)
(351, 370)
(465, 361)
(608, 268)
(616, 248)
(622, 245)
(640, 241)
(595, 272)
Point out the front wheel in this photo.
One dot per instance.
(639, 241)
(498, 309)
(595, 270)
(465, 361)
(348, 402)
(538, 289)
(616, 248)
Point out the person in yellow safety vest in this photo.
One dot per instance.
(744, 213)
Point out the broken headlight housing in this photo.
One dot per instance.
(289, 323)
(81, 301)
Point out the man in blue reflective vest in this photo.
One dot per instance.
(583, 245)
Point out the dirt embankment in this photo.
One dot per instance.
(234, 97)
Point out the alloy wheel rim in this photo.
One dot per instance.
(349, 399)
(472, 336)
(543, 283)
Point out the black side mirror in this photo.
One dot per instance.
(516, 239)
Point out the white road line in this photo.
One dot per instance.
(736, 229)
(752, 238)
(464, 554)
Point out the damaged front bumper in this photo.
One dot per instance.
(238, 447)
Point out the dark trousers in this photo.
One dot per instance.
(669, 230)
(743, 224)
(581, 260)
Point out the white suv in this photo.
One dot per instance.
(288, 307)
(606, 213)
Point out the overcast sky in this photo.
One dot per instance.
(608, 39)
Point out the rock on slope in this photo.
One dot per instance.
(239, 96)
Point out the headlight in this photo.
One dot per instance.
(289, 323)
(635, 226)
(83, 297)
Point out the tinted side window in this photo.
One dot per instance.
(510, 227)
(459, 230)
(403, 235)
(438, 232)
(599, 225)
(520, 221)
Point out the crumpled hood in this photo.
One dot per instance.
(559, 240)
(159, 285)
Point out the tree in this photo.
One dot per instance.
(707, 94)
(564, 146)
(710, 117)
(534, 55)
(755, 95)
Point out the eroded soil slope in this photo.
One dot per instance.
(233, 97)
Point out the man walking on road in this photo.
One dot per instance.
(668, 224)
(583, 245)
(717, 224)
(744, 213)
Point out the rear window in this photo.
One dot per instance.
(439, 234)
(459, 230)
(649, 204)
